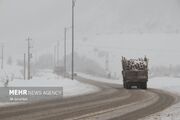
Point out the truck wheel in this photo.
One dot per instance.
(140, 85)
(145, 85)
(129, 86)
(124, 85)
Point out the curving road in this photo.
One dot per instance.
(112, 102)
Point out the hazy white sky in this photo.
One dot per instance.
(44, 21)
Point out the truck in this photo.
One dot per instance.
(135, 72)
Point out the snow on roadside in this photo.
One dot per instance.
(10, 72)
(100, 78)
(48, 79)
(70, 88)
(166, 83)
(171, 85)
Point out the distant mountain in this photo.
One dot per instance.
(134, 16)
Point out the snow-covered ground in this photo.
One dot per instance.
(46, 78)
(169, 84)
(100, 78)
(10, 72)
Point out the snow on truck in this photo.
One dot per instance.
(135, 72)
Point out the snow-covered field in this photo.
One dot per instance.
(47, 79)
(100, 78)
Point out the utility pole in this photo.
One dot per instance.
(24, 66)
(107, 65)
(2, 56)
(65, 40)
(54, 56)
(65, 30)
(107, 62)
(58, 53)
(73, 5)
(29, 58)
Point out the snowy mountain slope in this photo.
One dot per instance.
(161, 49)
(128, 16)
(45, 21)
(131, 28)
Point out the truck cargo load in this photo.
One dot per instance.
(135, 72)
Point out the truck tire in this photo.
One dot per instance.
(128, 86)
(144, 86)
(139, 86)
(124, 84)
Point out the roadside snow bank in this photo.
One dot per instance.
(100, 79)
(8, 73)
(171, 85)
(48, 79)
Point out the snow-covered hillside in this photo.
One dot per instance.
(160, 49)
(104, 29)
(128, 16)
(92, 18)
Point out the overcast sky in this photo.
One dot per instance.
(44, 21)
